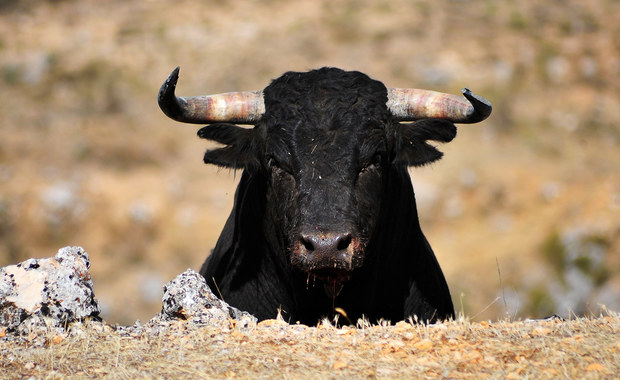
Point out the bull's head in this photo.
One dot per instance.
(325, 142)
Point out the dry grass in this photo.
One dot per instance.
(87, 158)
(580, 348)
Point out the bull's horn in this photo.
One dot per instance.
(407, 104)
(233, 107)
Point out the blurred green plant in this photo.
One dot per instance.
(11, 74)
(539, 302)
(554, 252)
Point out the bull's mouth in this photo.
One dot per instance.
(333, 280)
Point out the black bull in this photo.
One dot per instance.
(325, 216)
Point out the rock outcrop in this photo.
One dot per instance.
(188, 297)
(51, 292)
(55, 292)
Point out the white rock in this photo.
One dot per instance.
(53, 291)
(188, 297)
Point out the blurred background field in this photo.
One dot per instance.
(523, 211)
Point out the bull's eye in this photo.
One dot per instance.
(373, 164)
(276, 167)
(376, 160)
(272, 162)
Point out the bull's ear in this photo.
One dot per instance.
(238, 152)
(413, 149)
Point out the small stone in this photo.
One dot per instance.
(596, 367)
(272, 322)
(339, 364)
(29, 366)
(423, 345)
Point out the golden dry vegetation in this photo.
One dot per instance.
(522, 211)
(576, 349)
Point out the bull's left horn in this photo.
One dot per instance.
(408, 104)
(233, 107)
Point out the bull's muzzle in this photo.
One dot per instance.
(329, 257)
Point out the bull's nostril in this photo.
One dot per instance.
(325, 243)
(307, 244)
(344, 242)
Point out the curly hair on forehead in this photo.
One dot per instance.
(327, 92)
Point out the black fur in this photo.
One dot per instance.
(327, 161)
(413, 148)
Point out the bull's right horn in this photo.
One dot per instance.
(233, 107)
(408, 104)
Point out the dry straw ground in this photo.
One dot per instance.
(576, 349)
(523, 206)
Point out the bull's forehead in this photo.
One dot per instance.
(327, 117)
(325, 146)
(323, 115)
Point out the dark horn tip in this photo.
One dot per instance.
(166, 97)
(482, 107)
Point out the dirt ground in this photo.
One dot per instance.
(522, 212)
